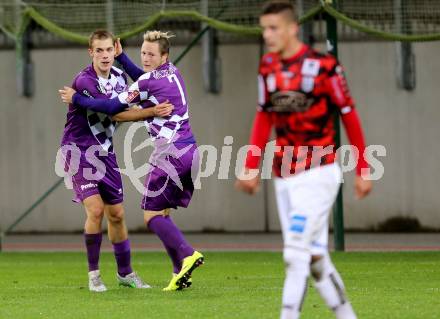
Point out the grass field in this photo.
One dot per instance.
(229, 285)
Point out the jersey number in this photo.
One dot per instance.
(176, 79)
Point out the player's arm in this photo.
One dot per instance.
(108, 106)
(102, 105)
(340, 96)
(133, 71)
(138, 114)
(89, 92)
(260, 134)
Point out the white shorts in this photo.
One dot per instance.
(304, 204)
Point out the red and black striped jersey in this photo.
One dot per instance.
(300, 96)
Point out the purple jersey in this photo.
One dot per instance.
(168, 184)
(86, 127)
(152, 88)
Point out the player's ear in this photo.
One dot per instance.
(91, 52)
(294, 29)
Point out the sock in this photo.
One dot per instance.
(177, 263)
(330, 286)
(345, 311)
(171, 236)
(289, 313)
(93, 246)
(123, 257)
(295, 284)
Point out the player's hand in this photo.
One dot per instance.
(163, 109)
(362, 187)
(248, 185)
(118, 47)
(66, 94)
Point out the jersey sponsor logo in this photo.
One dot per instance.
(309, 71)
(307, 84)
(87, 93)
(88, 186)
(310, 67)
(289, 101)
(271, 83)
(134, 94)
(119, 88)
(159, 74)
(108, 88)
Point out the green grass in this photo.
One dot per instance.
(229, 285)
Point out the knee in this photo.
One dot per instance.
(116, 215)
(149, 215)
(321, 266)
(297, 260)
(95, 213)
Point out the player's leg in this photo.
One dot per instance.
(172, 252)
(117, 232)
(117, 229)
(172, 238)
(111, 190)
(87, 192)
(296, 256)
(328, 282)
(330, 286)
(163, 193)
(163, 226)
(121, 247)
(94, 207)
(176, 261)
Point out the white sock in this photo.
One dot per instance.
(288, 313)
(345, 311)
(295, 284)
(330, 286)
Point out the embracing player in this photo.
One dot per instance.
(91, 132)
(175, 160)
(299, 92)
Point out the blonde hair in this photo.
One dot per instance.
(162, 38)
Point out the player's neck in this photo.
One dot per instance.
(101, 74)
(291, 49)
